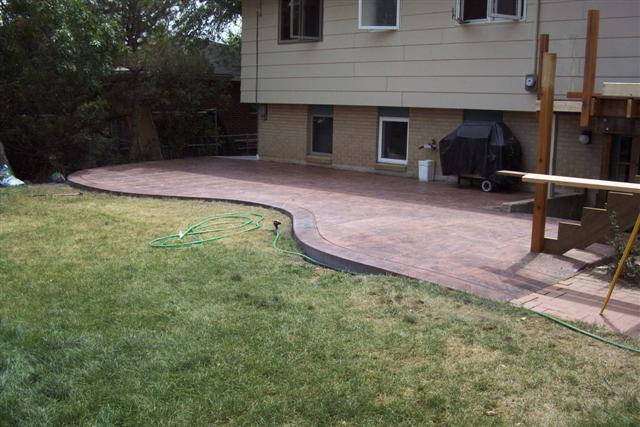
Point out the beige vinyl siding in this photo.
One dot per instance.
(431, 61)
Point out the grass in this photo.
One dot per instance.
(97, 328)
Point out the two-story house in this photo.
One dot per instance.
(362, 84)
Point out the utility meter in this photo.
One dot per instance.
(530, 82)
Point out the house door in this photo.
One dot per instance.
(625, 159)
(635, 160)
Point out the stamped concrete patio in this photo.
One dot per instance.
(437, 232)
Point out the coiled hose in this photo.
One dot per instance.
(216, 227)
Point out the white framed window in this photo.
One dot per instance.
(300, 20)
(393, 140)
(378, 15)
(489, 10)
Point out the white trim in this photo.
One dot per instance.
(381, 159)
(379, 27)
(491, 17)
(494, 14)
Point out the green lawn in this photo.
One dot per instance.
(97, 328)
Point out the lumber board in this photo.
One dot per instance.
(516, 174)
(621, 89)
(561, 106)
(545, 125)
(543, 47)
(590, 62)
(593, 184)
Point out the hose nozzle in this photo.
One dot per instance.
(276, 224)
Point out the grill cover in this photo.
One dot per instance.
(481, 149)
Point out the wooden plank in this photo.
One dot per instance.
(574, 95)
(545, 124)
(605, 169)
(615, 97)
(590, 62)
(564, 106)
(607, 107)
(516, 174)
(621, 89)
(593, 184)
(543, 47)
(630, 108)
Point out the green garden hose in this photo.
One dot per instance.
(211, 228)
(582, 331)
(216, 227)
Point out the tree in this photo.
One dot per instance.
(207, 19)
(168, 72)
(69, 67)
(54, 55)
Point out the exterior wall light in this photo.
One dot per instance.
(585, 136)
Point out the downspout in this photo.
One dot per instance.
(258, 15)
(554, 154)
(258, 112)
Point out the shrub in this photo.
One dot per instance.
(619, 240)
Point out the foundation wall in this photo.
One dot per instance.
(283, 133)
(284, 136)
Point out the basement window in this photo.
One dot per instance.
(489, 10)
(321, 129)
(393, 140)
(379, 14)
(300, 20)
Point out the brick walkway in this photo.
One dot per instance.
(580, 298)
(436, 232)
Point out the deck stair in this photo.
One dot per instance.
(595, 224)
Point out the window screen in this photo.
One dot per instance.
(300, 20)
(311, 16)
(474, 9)
(489, 10)
(505, 7)
(379, 13)
(322, 134)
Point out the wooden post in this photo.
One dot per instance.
(543, 47)
(545, 121)
(590, 61)
(605, 169)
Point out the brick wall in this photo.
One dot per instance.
(355, 137)
(574, 158)
(283, 135)
(425, 125)
(571, 158)
(525, 127)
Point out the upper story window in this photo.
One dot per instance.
(489, 10)
(379, 14)
(300, 20)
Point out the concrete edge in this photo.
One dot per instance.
(300, 226)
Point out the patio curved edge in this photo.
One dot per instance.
(304, 228)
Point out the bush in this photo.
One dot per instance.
(619, 240)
